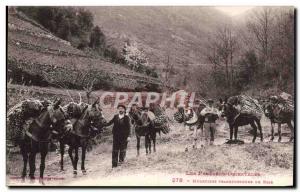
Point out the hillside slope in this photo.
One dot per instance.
(161, 31)
(37, 56)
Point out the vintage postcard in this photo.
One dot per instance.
(135, 96)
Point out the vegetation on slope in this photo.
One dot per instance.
(37, 57)
(76, 25)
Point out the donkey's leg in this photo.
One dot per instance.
(279, 132)
(212, 133)
(32, 156)
(235, 132)
(258, 126)
(255, 131)
(138, 142)
(292, 130)
(62, 151)
(83, 153)
(231, 132)
(206, 132)
(186, 128)
(201, 135)
(32, 165)
(70, 152)
(272, 131)
(44, 151)
(260, 130)
(75, 160)
(149, 143)
(154, 141)
(146, 143)
(25, 160)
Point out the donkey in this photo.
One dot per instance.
(143, 127)
(84, 118)
(236, 119)
(279, 116)
(38, 134)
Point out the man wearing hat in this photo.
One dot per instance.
(210, 114)
(121, 135)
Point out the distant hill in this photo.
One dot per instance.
(37, 57)
(161, 31)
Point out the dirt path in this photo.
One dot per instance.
(170, 164)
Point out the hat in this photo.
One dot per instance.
(123, 106)
(210, 101)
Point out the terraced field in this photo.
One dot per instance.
(36, 53)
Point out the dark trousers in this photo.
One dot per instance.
(119, 150)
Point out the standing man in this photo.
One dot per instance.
(210, 114)
(121, 135)
(190, 123)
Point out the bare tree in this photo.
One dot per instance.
(168, 70)
(260, 26)
(283, 42)
(220, 51)
(89, 88)
(272, 32)
(84, 78)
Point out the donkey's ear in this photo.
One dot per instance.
(225, 99)
(57, 103)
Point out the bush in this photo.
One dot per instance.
(67, 23)
(97, 40)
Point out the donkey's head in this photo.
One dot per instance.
(268, 109)
(96, 117)
(54, 116)
(228, 111)
(87, 117)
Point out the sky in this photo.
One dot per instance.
(233, 11)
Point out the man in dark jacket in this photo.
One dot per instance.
(121, 135)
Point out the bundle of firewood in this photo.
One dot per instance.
(161, 120)
(250, 105)
(287, 101)
(19, 116)
(178, 117)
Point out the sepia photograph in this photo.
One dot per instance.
(150, 96)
